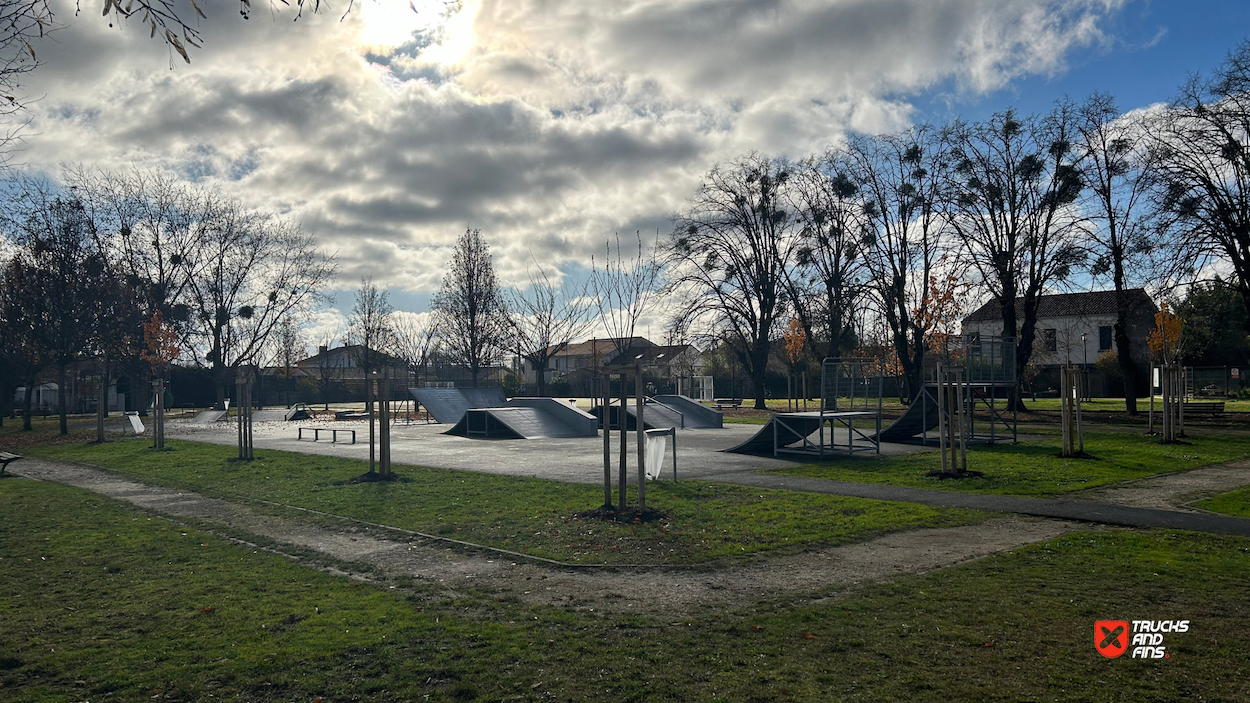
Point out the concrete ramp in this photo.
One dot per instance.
(697, 415)
(209, 416)
(655, 416)
(448, 405)
(268, 415)
(579, 421)
(519, 422)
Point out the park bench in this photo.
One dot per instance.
(722, 403)
(1204, 407)
(5, 459)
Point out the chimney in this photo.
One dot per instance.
(322, 349)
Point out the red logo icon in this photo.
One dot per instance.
(1111, 637)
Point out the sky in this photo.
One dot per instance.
(551, 126)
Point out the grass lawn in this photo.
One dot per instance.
(1143, 405)
(710, 521)
(103, 603)
(1232, 503)
(1035, 468)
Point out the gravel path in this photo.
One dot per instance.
(1174, 491)
(668, 590)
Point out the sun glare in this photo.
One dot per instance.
(387, 23)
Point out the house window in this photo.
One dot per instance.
(1051, 338)
(1104, 338)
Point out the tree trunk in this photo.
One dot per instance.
(759, 372)
(102, 400)
(60, 398)
(27, 402)
(219, 385)
(1128, 367)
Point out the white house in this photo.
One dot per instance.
(1074, 328)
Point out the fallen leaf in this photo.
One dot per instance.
(209, 609)
(808, 636)
(757, 628)
(988, 644)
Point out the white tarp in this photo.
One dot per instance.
(656, 448)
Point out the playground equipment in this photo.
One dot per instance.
(850, 397)
(1070, 392)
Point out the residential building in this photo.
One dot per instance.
(1074, 328)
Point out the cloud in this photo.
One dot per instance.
(550, 126)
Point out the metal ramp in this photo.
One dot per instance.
(792, 433)
(697, 416)
(268, 416)
(918, 419)
(514, 423)
(448, 405)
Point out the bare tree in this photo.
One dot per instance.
(250, 271)
(625, 290)
(416, 343)
(730, 250)
(829, 276)
(327, 370)
(471, 313)
(546, 318)
(20, 304)
(67, 270)
(1011, 206)
(1202, 146)
(22, 24)
(151, 223)
(288, 347)
(1117, 170)
(369, 332)
(900, 179)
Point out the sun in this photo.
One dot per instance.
(387, 23)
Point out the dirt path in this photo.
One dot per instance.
(667, 590)
(1174, 491)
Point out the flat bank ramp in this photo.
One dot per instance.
(207, 416)
(920, 417)
(268, 415)
(513, 423)
(697, 415)
(579, 421)
(448, 405)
